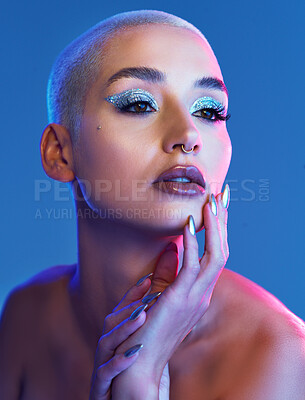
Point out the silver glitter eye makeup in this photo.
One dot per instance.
(131, 97)
(206, 103)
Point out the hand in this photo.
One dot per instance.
(164, 384)
(183, 302)
(117, 328)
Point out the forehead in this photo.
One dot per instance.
(178, 52)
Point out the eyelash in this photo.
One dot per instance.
(218, 112)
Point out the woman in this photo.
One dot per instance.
(134, 103)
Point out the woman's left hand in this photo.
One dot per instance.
(185, 299)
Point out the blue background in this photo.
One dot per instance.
(260, 48)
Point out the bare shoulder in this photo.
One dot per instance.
(247, 345)
(49, 276)
(22, 318)
(31, 294)
(254, 303)
(28, 297)
(273, 337)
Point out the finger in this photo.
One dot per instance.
(223, 217)
(213, 259)
(164, 386)
(111, 340)
(114, 319)
(124, 308)
(136, 292)
(166, 269)
(190, 266)
(104, 375)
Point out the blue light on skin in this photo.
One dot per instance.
(132, 96)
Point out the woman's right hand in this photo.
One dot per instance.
(117, 328)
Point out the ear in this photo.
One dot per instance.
(56, 153)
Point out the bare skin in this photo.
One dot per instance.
(246, 341)
(246, 325)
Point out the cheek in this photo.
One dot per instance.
(108, 161)
(104, 151)
(218, 157)
(225, 160)
(106, 169)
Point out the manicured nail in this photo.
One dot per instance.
(140, 281)
(191, 225)
(137, 312)
(172, 246)
(133, 350)
(225, 197)
(150, 297)
(213, 204)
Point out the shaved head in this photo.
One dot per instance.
(78, 65)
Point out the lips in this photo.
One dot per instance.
(183, 171)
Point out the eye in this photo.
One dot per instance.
(211, 114)
(209, 109)
(139, 107)
(136, 101)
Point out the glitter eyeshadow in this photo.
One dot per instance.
(206, 102)
(132, 96)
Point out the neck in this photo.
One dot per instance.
(112, 257)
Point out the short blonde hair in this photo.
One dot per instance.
(77, 66)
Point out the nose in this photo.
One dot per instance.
(181, 131)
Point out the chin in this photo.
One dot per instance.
(166, 220)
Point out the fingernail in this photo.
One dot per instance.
(191, 225)
(137, 312)
(225, 197)
(172, 246)
(213, 204)
(140, 281)
(133, 350)
(150, 297)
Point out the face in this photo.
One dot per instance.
(134, 144)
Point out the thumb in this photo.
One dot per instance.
(166, 269)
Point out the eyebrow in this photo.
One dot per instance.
(156, 76)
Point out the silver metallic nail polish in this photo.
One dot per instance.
(150, 297)
(140, 281)
(137, 312)
(133, 350)
(226, 196)
(213, 204)
(192, 225)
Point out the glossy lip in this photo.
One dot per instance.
(180, 188)
(182, 171)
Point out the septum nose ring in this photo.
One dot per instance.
(186, 151)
